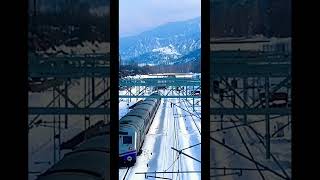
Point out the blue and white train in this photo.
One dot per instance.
(90, 160)
(133, 128)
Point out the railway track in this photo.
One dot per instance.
(125, 175)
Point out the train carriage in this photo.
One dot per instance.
(90, 160)
(133, 128)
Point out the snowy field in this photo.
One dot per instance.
(171, 127)
(164, 75)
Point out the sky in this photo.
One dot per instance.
(137, 16)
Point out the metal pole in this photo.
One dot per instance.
(267, 135)
(56, 8)
(59, 127)
(34, 7)
(180, 152)
(85, 101)
(138, 92)
(186, 91)
(66, 104)
(254, 88)
(193, 99)
(287, 105)
(130, 93)
(221, 121)
(54, 130)
(233, 96)
(93, 88)
(104, 97)
(245, 96)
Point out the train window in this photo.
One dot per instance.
(127, 139)
(122, 132)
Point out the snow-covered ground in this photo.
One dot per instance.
(164, 75)
(221, 156)
(171, 127)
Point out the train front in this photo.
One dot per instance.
(127, 147)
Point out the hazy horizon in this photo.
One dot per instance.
(157, 26)
(155, 13)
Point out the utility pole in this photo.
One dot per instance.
(34, 7)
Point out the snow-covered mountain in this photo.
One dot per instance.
(162, 45)
(165, 55)
(190, 57)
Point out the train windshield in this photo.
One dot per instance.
(127, 139)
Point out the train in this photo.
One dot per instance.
(89, 160)
(133, 128)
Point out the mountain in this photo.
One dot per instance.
(163, 54)
(163, 44)
(190, 57)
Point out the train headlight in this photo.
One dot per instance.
(130, 148)
(129, 158)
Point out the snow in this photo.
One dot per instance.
(164, 75)
(124, 104)
(222, 157)
(171, 127)
(170, 50)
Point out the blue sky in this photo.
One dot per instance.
(137, 16)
